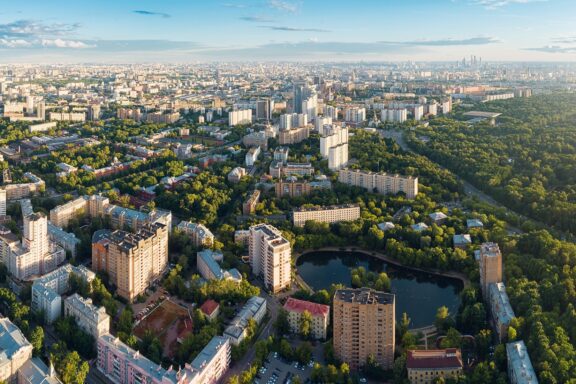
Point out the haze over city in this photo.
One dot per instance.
(277, 30)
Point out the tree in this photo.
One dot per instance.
(37, 339)
(511, 333)
(285, 349)
(282, 324)
(304, 352)
(344, 371)
(483, 343)
(305, 324)
(453, 339)
(125, 322)
(443, 319)
(404, 324)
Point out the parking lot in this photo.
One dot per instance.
(278, 371)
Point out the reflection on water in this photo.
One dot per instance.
(417, 293)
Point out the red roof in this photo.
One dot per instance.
(434, 358)
(295, 305)
(209, 307)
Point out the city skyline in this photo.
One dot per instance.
(283, 30)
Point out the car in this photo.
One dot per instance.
(363, 380)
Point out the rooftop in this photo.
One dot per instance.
(489, 250)
(315, 309)
(364, 296)
(501, 303)
(434, 359)
(326, 208)
(519, 362)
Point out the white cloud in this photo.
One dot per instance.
(495, 4)
(61, 43)
(285, 6)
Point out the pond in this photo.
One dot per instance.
(419, 294)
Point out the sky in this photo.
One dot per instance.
(126, 31)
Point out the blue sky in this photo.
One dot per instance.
(123, 31)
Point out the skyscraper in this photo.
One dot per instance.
(364, 326)
(270, 256)
(299, 95)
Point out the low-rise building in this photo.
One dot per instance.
(319, 313)
(462, 241)
(207, 264)
(47, 290)
(200, 235)
(236, 174)
(500, 308)
(252, 156)
(292, 187)
(34, 371)
(211, 309)
(255, 308)
(278, 169)
(249, 206)
(93, 320)
(329, 214)
(293, 136)
(66, 240)
(520, 370)
(424, 366)
(15, 350)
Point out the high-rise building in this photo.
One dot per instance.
(382, 182)
(264, 109)
(132, 260)
(270, 257)
(243, 116)
(299, 95)
(334, 146)
(94, 112)
(490, 266)
(364, 326)
(2, 202)
(41, 110)
(355, 115)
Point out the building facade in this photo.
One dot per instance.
(382, 182)
(93, 320)
(329, 214)
(364, 325)
(132, 260)
(424, 366)
(490, 266)
(520, 369)
(16, 350)
(270, 255)
(319, 313)
(200, 235)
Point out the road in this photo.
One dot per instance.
(273, 305)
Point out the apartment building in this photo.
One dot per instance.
(8, 241)
(66, 240)
(252, 156)
(292, 188)
(382, 182)
(281, 154)
(36, 255)
(207, 264)
(278, 169)
(500, 308)
(243, 116)
(490, 266)
(424, 366)
(235, 175)
(256, 139)
(328, 214)
(61, 215)
(520, 369)
(16, 350)
(334, 146)
(270, 256)
(93, 320)
(200, 235)
(23, 190)
(319, 313)
(364, 325)
(132, 260)
(2, 202)
(255, 308)
(123, 365)
(47, 290)
(249, 206)
(293, 136)
(35, 371)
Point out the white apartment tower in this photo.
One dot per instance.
(2, 202)
(270, 256)
(334, 146)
